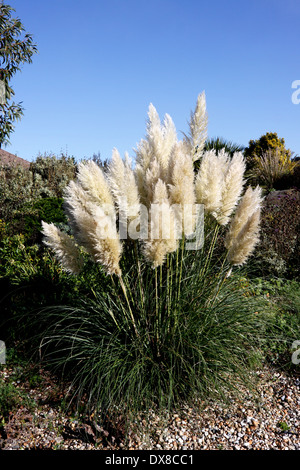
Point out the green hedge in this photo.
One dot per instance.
(27, 220)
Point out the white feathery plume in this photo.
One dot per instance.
(161, 136)
(250, 203)
(209, 182)
(116, 173)
(106, 243)
(83, 225)
(97, 233)
(181, 188)
(224, 160)
(65, 249)
(246, 241)
(160, 139)
(143, 155)
(154, 131)
(123, 186)
(148, 148)
(162, 227)
(139, 173)
(232, 187)
(152, 176)
(93, 181)
(75, 197)
(93, 217)
(169, 139)
(197, 128)
(81, 214)
(163, 179)
(131, 191)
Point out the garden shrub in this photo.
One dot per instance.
(10, 400)
(31, 278)
(271, 167)
(279, 250)
(267, 142)
(171, 323)
(290, 180)
(281, 298)
(28, 220)
(3, 229)
(16, 188)
(218, 143)
(54, 173)
(46, 177)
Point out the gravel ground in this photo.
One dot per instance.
(268, 420)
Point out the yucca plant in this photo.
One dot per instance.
(218, 143)
(171, 324)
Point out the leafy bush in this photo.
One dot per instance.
(10, 400)
(28, 221)
(280, 300)
(31, 278)
(3, 229)
(279, 250)
(290, 180)
(16, 187)
(271, 167)
(267, 142)
(218, 143)
(17, 261)
(46, 177)
(29, 275)
(54, 173)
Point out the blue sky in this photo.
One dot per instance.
(102, 62)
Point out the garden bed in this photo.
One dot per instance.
(264, 420)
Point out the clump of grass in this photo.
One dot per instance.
(172, 324)
(205, 346)
(11, 398)
(272, 165)
(283, 426)
(279, 302)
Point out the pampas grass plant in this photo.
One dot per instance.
(271, 166)
(172, 324)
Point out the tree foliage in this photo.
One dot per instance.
(267, 142)
(16, 48)
(268, 160)
(218, 143)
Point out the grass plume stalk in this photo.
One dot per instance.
(170, 324)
